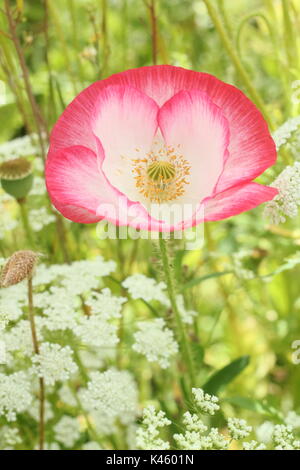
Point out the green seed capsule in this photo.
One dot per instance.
(161, 171)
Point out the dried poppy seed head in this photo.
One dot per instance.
(15, 169)
(19, 266)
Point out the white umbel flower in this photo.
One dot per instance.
(205, 402)
(155, 341)
(9, 437)
(95, 332)
(146, 288)
(285, 131)
(113, 393)
(67, 431)
(105, 304)
(285, 203)
(15, 396)
(54, 363)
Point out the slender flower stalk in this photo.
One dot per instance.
(37, 351)
(182, 335)
(25, 221)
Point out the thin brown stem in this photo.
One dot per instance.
(41, 380)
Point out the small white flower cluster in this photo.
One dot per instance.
(113, 393)
(155, 341)
(286, 202)
(194, 437)
(147, 435)
(19, 338)
(20, 147)
(12, 301)
(238, 428)
(146, 288)
(54, 316)
(284, 439)
(253, 445)
(192, 440)
(205, 402)
(40, 218)
(96, 332)
(9, 437)
(285, 131)
(83, 276)
(105, 304)
(54, 363)
(199, 436)
(67, 431)
(15, 394)
(193, 422)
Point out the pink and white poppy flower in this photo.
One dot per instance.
(135, 146)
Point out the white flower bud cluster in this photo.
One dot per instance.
(205, 402)
(253, 445)
(238, 428)
(284, 439)
(147, 436)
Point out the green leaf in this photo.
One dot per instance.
(226, 375)
(198, 280)
(254, 405)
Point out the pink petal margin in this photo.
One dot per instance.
(236, 200)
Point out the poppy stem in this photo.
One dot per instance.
(181, 332)
(25, 221)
